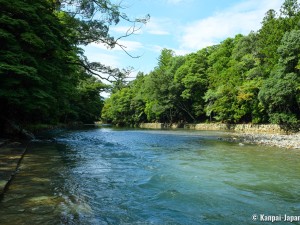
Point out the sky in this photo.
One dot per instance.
(184, 26)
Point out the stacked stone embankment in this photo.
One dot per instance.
(247, 128)
(151, 125)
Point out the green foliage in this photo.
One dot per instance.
(253, 78)
(118, 108)
(159, 91)
(280, 93)
(125, 107)
(192, 78)
(290, 8)
(44, 75)
(23, 60)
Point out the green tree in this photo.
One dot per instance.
(45, 77)
(89, 103)
(252, 78)
(192, 77)
(269, 37)
(280, 93)
(221, 93)
(290, 8)
(35, 76)
(89, 21)
(249, 75)
(117, 109)
(158, 88)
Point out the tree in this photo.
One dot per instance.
(192, 76)
(247, 68)
(126, 106)
(290, 8)
(269, 37)
(89, 21)
(117, 109)
(280, 93)
(45, 77)
(253, 78)
(158, 88)
(88, 101)
(221, 91)
(35, 75)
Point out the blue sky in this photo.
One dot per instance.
(181, 25)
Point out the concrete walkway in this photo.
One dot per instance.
(11, 154)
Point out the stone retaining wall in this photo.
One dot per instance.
(261, 128)
(245, 128)
(152, 125)
(161, 125)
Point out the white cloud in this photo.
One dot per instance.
(120, 29)
(131, 46)
(123, 30)
(106, 59)
(158, 26)
(181, 51)
(241, 18)
(158, 49)
(174, 1)
(99, 45)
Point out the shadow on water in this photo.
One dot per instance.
(118, 176)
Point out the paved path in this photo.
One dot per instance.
(10, 155)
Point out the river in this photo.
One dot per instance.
(131, 176)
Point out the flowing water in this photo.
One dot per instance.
(118, 176)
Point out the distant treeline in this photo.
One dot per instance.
(246, 79)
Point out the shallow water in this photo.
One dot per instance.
(118, 176)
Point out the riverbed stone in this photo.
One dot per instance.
(10, 155)
(3, 141)
(42, 209)
(291, 141)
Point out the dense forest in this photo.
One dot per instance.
(45, 77)
(245, 79)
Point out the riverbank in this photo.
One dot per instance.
(261, 134)
(247, 128)
(289, 141)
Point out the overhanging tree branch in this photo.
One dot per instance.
(99, 70)
(91, 20)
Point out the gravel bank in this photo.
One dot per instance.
(291, 141)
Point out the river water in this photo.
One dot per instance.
(121, 176)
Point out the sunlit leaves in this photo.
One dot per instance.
(280, 92)
(253, 78)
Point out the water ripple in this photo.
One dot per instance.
(118, 176)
